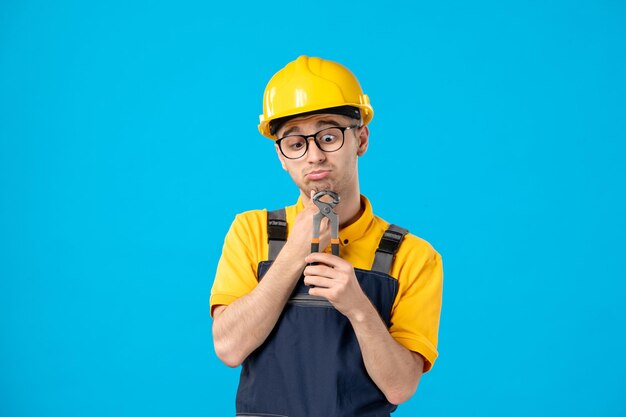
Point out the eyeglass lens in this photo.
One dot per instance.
(328, 140)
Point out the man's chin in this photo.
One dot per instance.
(316, 188)
(321, 186)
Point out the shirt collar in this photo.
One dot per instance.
(358, 228)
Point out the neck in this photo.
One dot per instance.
(349, 209)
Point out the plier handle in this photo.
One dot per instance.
(326, 210)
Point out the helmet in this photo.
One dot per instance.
(308, 85)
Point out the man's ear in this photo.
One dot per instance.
(363, 140)
(281, 157)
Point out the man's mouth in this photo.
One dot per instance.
(318, 174)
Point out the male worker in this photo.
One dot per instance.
(321, 335)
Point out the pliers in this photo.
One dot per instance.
(326, 210)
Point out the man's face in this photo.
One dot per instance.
(318, 170)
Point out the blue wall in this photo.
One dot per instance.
(128, 142)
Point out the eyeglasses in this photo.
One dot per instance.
(327, 140)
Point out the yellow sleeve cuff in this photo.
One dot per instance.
(420, 345)
(220, 299)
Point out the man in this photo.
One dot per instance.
(321, 335)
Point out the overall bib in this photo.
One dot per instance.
(311, 365)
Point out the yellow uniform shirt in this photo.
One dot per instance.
(417, 267)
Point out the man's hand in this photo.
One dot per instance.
(299, 240)
(335, 280)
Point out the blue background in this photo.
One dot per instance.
(128, 142)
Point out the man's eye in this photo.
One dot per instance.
(328, 138)
(296, 145)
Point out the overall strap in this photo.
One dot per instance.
(387, 248)
(276, 232)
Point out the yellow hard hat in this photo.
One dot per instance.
(308, 85)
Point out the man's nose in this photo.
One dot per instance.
(314, 153)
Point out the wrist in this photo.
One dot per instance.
(293, 254)
(296, 251)
(364, 313)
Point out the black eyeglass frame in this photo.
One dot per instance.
(342, 129)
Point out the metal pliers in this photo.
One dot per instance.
(326, 210)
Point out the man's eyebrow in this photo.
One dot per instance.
(291, 130)
(319, 124)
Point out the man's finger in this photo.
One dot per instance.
(318, 281)
(325, 258)
(320, 270)
(320, 292)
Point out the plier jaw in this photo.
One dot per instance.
(326, 210)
